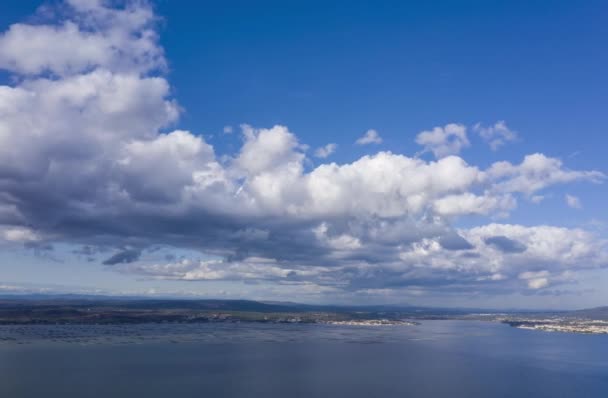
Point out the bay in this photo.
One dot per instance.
(433, 359)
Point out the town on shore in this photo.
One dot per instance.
(100, 310)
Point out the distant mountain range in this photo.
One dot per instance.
(143, 302)
(592, 313)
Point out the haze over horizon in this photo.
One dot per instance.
(448, 155)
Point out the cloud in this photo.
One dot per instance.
(496, 135)
(534, 173)
(123, 40)
(266, 150)
(457, 261)
(90, 157)
(20, 234)
(370, 137)
(444, 141)
(505, 244)
(536, 199)
(186, 269)
(324, 151)
(228, 130)
(453, 241)
(157, 169)
(535, 280)
(470, 204)
(122, 257)
(573, 201)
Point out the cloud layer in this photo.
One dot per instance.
(88, 158)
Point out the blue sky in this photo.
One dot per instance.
(237, 204)
(400, 68)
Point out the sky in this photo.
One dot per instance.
(444, 154)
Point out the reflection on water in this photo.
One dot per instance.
(433, 359)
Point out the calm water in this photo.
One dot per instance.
(434, 359)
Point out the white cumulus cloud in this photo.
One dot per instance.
(573, 201)
(370, 137)
(324, 151)
(90, 156)
(496, 135)
(444, 141)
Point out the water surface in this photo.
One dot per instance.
(434, 359)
